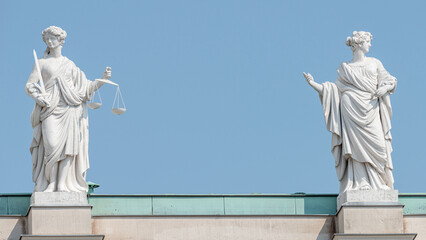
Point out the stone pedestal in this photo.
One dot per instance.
(370, 218)
(370, 214)
(59, 220)
(59, 215)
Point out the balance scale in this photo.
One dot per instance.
(118, 106)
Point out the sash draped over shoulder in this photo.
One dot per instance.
(61, 130)
(360, 126)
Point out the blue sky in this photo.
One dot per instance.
(214, 90)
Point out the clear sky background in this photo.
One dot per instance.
(214, 90)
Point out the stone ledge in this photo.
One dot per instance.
(59, 206)
(396, 236)
(62, 237)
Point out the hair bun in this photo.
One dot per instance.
(54, 30)
(348, 41)
(357, 38)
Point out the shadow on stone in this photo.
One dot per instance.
(17, 230)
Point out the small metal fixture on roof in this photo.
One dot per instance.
(92, 187)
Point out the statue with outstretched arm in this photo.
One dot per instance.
(59, 148)
(357, 111)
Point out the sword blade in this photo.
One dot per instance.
(39, 72)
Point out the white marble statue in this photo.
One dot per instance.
(60, 142)
(357, 112)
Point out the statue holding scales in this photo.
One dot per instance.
(60, 142)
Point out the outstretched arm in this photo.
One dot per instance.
(95, 85)
(318, 87)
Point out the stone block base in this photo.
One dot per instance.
(370, 219)
(60, 220)
(400, 236)
(367, 196)
(59, 199)
(61, 237)
(59, 213)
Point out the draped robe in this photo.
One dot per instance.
(61, 130)
(360, 125)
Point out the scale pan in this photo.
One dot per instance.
(94, 105)
(118, 111)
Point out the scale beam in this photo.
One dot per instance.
(107, 81)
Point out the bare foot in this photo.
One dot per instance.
(62, 188)
(365, 187)
(50, 188)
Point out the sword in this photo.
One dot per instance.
(43, 90)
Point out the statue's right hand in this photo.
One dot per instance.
(34, 90)
(41, 100)
(316, 86)
(308, 77)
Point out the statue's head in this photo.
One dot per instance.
(360, 40)
(52, 32)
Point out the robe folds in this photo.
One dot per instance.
(360, 126)
(61, 130)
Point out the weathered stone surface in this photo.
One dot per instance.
(59, 220)
(59, 199)
(370, 219)
(11, 227)
(313, 227)
(400, 236)
(416, 224)
(367, 196)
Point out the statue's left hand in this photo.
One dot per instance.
(107, 73)
(381, 91)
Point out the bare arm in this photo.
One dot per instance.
(33, 76)
(34, 90)
(383, 90)
(95, 85)
(387, 82)
(316, 86)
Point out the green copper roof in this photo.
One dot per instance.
(214, 204)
